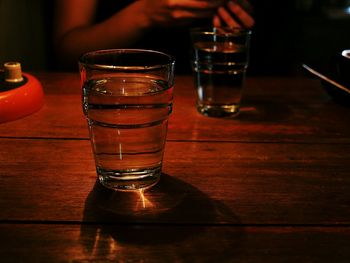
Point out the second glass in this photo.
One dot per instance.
(127, 99)
(219, 61)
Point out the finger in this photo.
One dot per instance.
(241, 14)
(216, 21)
(191, 14)
(195, 4)
(227, 18)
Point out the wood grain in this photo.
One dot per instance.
(272, 185)
(273, 110)
(210, 182)
(143, 243)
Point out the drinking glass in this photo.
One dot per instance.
(219, 62)
(127, 98)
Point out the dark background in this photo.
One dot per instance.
(287, 34)
(291, 32)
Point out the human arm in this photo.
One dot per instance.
(76, 32)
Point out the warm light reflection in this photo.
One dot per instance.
(108, 244)
(120, 147)
(145, 202)
(248, 109)
(113, 247)
(97, 241)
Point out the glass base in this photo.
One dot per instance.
(129, 180)
(219, 111)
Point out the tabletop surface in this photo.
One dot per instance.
(272, 185)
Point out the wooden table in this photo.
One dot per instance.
(272, 185)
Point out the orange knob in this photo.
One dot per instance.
(20, 94)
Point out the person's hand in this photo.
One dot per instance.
(178, 12)
(233, 14)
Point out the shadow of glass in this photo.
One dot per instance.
(172, 212)
(263, 110)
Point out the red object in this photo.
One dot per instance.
(21, 101)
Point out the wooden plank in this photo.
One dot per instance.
(144, 243)
(305, 89)
(298, 88)
(50, 180)
(274, 110)
(60, 117)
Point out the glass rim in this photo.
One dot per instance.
(223, 31)
(82, 59)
